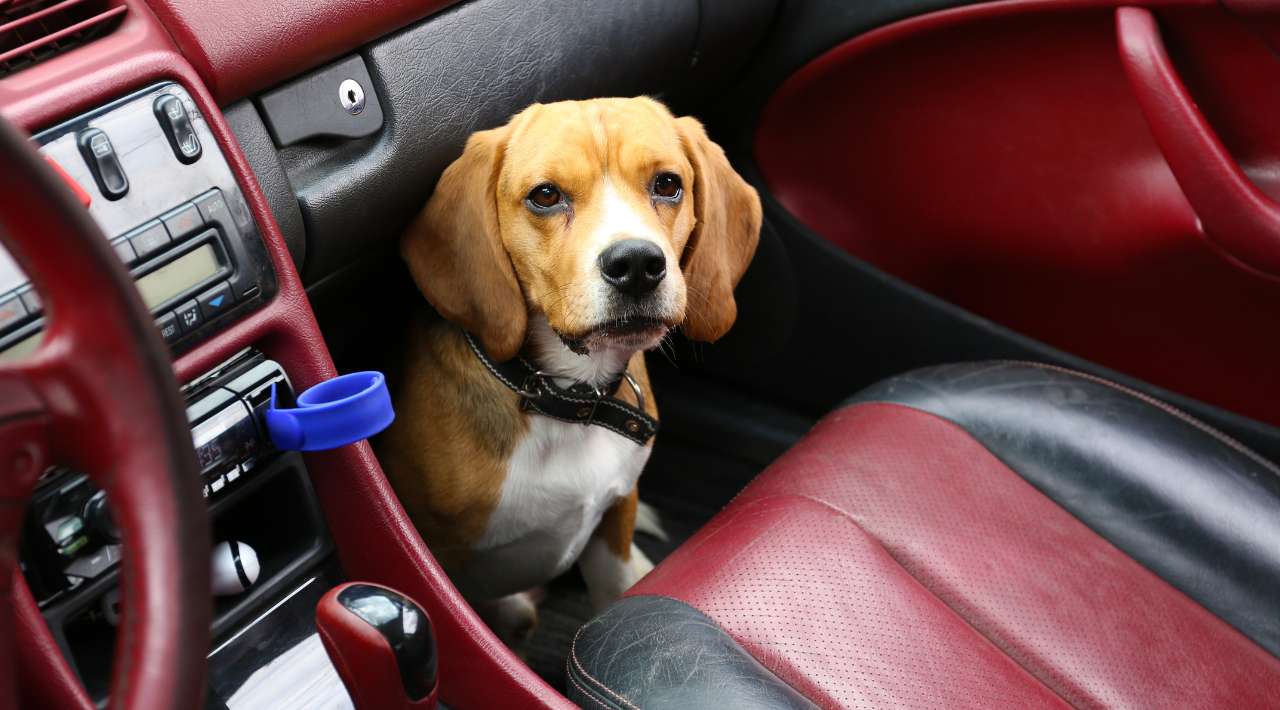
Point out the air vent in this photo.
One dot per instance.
(32, 31)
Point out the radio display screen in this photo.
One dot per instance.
(179, 275)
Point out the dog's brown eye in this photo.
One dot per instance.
(544, 196)
(667, 186)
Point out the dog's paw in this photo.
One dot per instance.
(640, 564)
(609, 576)
(512, 618)
(649, 521)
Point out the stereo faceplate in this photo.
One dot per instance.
(69, 538)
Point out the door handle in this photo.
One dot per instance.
(1235, 215)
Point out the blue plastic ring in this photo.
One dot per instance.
(334, 413)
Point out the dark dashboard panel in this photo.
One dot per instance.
(469, 68)
(242, 47)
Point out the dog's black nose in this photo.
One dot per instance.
(633, 266)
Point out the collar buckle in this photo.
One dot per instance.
(588, 416)
(534, 387)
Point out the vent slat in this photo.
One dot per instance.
(32, 32)
(39, 15)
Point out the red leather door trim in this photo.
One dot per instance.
(994, 155)
(1235, 213)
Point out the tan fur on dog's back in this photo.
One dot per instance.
(457, 426)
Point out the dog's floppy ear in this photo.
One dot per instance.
(454, 250)
(724, 237)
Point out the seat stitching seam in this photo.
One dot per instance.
(587, 693)
(1167, 408)
(573, 656)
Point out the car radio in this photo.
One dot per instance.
(150, 173)
(69, 537)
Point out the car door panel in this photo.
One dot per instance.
(996, 156)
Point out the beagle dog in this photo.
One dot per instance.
(570, 241)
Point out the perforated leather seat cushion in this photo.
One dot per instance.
(891, 560)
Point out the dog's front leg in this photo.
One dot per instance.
(611, 562)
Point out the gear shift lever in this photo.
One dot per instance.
(382, 644)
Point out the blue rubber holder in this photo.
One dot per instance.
(334, 413)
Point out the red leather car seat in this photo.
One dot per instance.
(979, 535)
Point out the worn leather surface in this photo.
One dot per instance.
(468, 68)
(1191, 505)
(891, 560)
(656, 652)
(243, 46)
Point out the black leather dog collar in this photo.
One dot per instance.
(579, 403)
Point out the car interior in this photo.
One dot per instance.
(995, 425)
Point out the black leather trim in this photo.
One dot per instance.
(1189, 503)
(804, 29)
(656, 652)
(260, 151)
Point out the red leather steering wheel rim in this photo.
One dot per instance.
(99, 395)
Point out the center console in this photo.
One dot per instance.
(149, 171)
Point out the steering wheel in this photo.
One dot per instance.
(99, 396)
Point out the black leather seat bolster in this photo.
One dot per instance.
(1187, 502)
(655, 652)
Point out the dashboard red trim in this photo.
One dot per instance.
(241, 47)
(375, 539)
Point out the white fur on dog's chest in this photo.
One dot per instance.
(561, 480)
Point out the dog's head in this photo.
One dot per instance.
(612, 218)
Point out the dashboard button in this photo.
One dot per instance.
(168, 325)
(103, 162)
(182, 221)
(177, 127)
(216, 300)
(149, 239)
(125, 251)
(31, 300)
(12, 311)
(189, 316)
(214, 209)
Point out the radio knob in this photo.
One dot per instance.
(98, 516)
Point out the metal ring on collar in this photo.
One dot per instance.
(635, 388)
